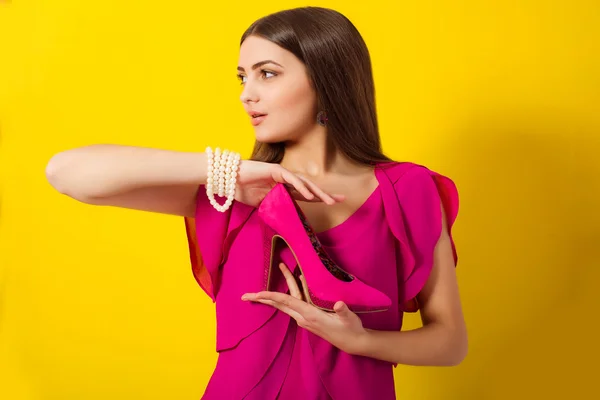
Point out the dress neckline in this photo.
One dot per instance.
(328, 236)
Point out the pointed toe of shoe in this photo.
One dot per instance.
(377, 301)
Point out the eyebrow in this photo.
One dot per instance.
(260, 64)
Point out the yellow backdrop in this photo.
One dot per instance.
(503, 97)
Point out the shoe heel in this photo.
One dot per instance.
(268, 256)
(308, 296)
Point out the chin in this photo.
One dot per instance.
(269, 137)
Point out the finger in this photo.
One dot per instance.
(298, 184)
(322, 196)
(283, 308)
(317, 190)
(300, 197)
(338, 197)
(299, 306)
(278, 300)
(303, 282)
(291, 281)
(342, 310)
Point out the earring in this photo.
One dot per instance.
(322, 118)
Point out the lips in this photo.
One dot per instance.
(256, 120)
(256, 117)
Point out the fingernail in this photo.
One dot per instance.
(245, 297)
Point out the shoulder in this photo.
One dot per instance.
(417, 184)
(402, 173)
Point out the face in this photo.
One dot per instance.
(275, 84)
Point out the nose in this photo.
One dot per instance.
(249, 93)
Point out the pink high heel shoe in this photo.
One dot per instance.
(326, 282)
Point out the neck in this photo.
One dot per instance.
(313, 157)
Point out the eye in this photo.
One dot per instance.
(265, 72)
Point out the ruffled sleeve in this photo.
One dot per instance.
(206, 234)
(421, 195)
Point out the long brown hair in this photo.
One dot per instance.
(339, 67)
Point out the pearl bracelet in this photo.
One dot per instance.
(221, 176)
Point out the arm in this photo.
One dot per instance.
(442, 341)
(132, 177)
(161, 180)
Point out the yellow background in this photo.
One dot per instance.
(503, 97)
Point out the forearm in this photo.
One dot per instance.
(106, 170)
(432, 345)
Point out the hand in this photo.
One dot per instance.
(343, 328)
(256, 179)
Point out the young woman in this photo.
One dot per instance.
(323, 243)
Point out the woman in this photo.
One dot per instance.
(308, 89)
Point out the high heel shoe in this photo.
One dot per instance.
(326, 282)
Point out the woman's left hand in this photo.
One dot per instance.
(343, 328)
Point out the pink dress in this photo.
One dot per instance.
(388, 243)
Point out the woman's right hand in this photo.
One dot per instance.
(255, 179)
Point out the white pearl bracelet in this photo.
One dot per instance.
(221, 176)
